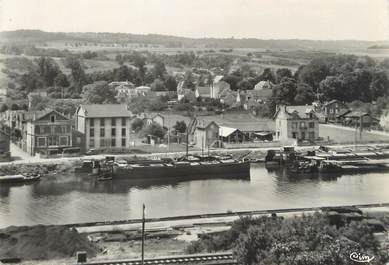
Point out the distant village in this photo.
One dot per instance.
(105, 128)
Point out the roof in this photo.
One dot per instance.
(217, 79)
(226, 131)
(300, 111)
(121, 83)
(36, 115)
(106, 110)
(263, 85)
(204, 124)
(358, 114)
(203, 91)
(143, 87)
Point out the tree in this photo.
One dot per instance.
(98, 93)
(171, 83)
(154, 129)
(314, 72)
(137, 125)
(3, 108)
(267, 75)
(15, 106)
(283, 72)
(159, 69)
(379, 85)
(285, 91)
(158, 85)
(245, 85)
(61, 80)
(189, 81)
(304, 94)
(47, 69)
(180, 126)
(39, 103)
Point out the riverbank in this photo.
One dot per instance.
(174, 237)
(255, 153)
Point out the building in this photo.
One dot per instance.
(142, 90)
(217, 86)
(332, 109)
(148, 119)
(384, 120)
(359, 119)
(296, 122)
(230, 135)
(104, 125)
(47, 132)
(203, 92)
(206, 134)
(261, 85)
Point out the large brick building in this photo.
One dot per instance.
(104, 125)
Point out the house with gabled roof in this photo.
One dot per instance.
(104, 126)
(206, 134)
(48, 132)
(298, 123)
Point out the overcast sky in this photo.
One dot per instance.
(266, 19)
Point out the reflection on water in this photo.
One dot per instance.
(80, 198)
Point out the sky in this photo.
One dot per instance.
(264, 19)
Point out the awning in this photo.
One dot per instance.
(262, 133)
(226, 131)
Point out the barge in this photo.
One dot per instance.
(20, 178)
(192, 166)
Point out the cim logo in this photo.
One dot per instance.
(362, 258)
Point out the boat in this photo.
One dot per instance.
(103, 178)
(87, 166)
(20, 178)
(194, 166)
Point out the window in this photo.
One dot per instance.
(102, 122)
(311, 125)
(113, 121)
(302, 125)
(113, 142)
(124, 122)
(113, 132)
(91, 143)
(102, 142)
(102, 132)
(63, 140)
(302, 135)
(294, 135)
(124, 142)
(294, 125)
(41, 141)
(123, 131)
(91, 132)
(311, 136)
(91, 122)
(52, 118)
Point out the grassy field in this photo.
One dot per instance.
(347, 135)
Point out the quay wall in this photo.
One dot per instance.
(227, 214)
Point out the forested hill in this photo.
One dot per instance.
(37, 36)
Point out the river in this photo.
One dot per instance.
(73, 199)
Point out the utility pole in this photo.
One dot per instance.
(143, 233)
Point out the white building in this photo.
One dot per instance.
(104, 125)
(296, 123)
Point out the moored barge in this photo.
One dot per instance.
(193, 166)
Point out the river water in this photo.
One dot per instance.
(73, 199)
